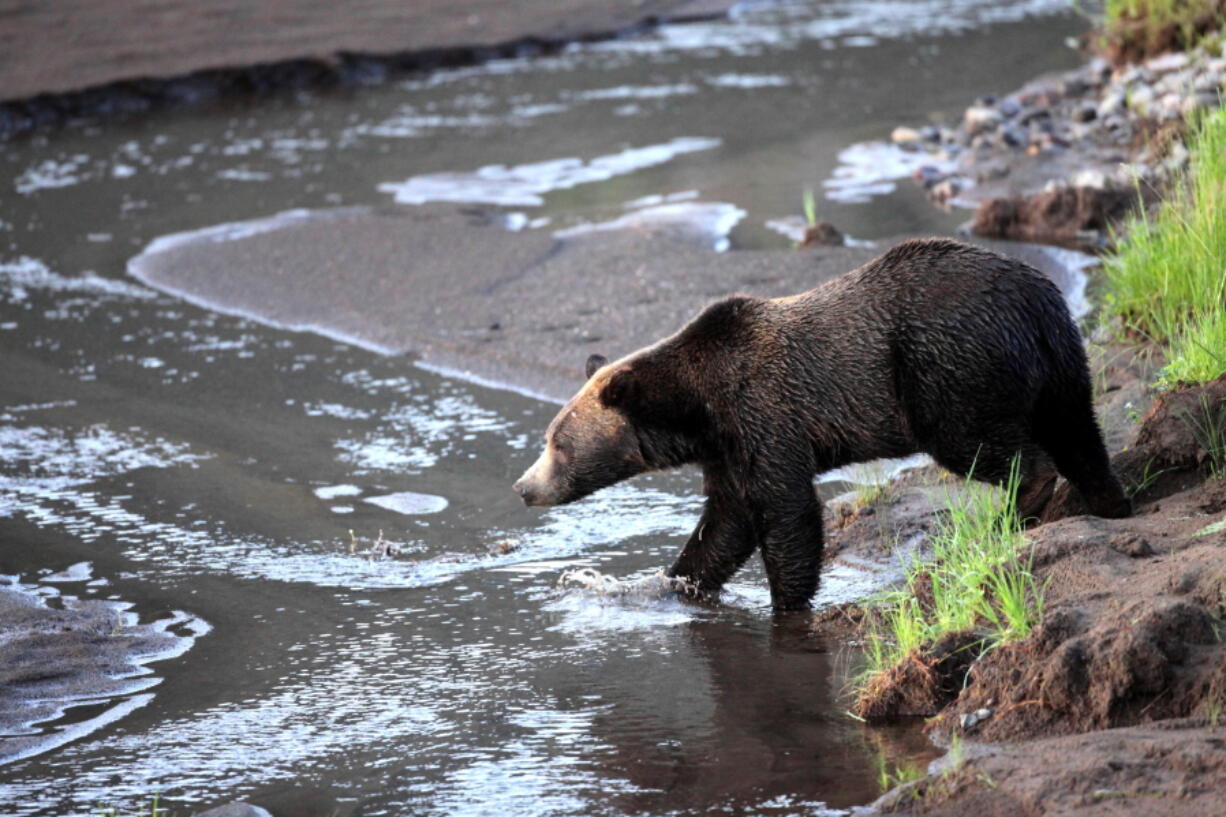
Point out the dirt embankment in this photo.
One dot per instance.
(95, 58)
(1116, 703)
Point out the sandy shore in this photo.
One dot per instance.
(520, 309)
(56, 47)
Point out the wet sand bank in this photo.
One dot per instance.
(516, 309)
(85, 59)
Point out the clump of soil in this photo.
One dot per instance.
(1072, 215)
(924, 682)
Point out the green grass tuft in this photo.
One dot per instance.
(972, 581)
(1166, 281)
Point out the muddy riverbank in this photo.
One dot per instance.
(121, 57)
(1113, 706)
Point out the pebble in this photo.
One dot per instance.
(905, 136)
(1090, 178)
(1074, 86)
(1176, 61)
(969, 720)
(1111, 104)
(1086, 112)
(979, 118)
(1141, 99)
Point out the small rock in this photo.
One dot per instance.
(930, 133)
(1009, 108)
(979, 118)
(1090, 178)
(905, 136)
(1098, 70)
(1130, 544)
(822, 233)
(1199, 102)
(1033, 114)
(1208, 83)
(927, 175)
(1086, 112)
(1135, 74)
(969, 720)
(1014, 136)
(1111, 104)
(1141, 98)
(1167, 63)
(944, 191)
(1074, 86)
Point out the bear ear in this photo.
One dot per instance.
(620, 391)
(593, 363)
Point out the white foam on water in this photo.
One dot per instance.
(748, 81)
(524, 185)
(409, 503)
(50, 174)
(333, 491)
(708, 223)
(756, 28)
(21, 276)
(637, 92)
(869, 169)
(230, 231)
(41, 462)
(79, 572)
(1076, 264)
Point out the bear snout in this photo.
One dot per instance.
(529, 492)
(525, 491)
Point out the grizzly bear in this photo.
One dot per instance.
(935, 346)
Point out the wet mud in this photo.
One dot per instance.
(128, 58)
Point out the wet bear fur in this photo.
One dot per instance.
(935, 346)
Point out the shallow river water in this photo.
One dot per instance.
(183, 460)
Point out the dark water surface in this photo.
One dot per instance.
(202, 463)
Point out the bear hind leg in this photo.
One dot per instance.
(993, 463)
(1075, 443)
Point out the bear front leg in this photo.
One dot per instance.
(792, 546)
(717, 548)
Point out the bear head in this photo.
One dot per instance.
(590, 444)
(656, 408)
(629, 417)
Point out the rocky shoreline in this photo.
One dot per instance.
(1063, 159)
